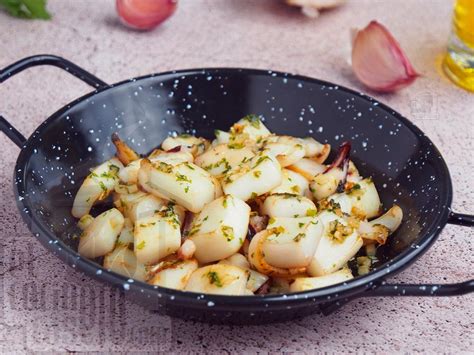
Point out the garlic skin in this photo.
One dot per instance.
(378, 60)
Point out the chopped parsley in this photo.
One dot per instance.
(181, 177)
(261, 159)
(236, 145)
(299, 236)
(141, 245)
(311, 212)
(295, 189)
(189, 166)
(214, 278)
(163, 167)
(228, 232)
(254, 120)
(102, 186)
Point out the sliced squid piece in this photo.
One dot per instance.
(221, 137)
(124, 153)
(85, 221)
(171, 157)
(256, 258)
(217, 187)
(219, 279)
(332, 179)
(339, 243)
(186, 142)
(288, 205)
(307, 168)
(310, 283)
(380, 228)
(250, 126)
(236, 260)
(172, 274)
(220, 229)
(390, 219)
(185, 183)
(144, 207)
(157, 236)
(252, 178)
(256, 279)
(126, 189)
(124, 202)
(220, 159)
(97, 186)
(353, 175)
(126, 235)
(123, 261)
(292, 183)
(361, 200)
(291, 242)
(287, 150)
(100, 236)
(129, 174)
(325, 184)
(315, 150)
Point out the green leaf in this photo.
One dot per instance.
(28, 9)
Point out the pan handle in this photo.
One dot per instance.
(42, 59)
(417, 290)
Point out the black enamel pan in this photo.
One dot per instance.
(406, 166)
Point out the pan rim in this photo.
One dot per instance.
(330, 293)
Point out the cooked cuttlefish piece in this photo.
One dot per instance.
(254, 177)
(311, 283)
(186, 142)
(172, 273)
(101, 234)
(292, 183)
(339, 243)
(157, 236)
(96, 187)
(220, 229)
(123, 261)
(287, 243)
(184, 183)
(219, 279)
(287, 205)
(220, 159)
(361, 199)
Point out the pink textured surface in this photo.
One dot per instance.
(47, 306)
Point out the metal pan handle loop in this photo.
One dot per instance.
(42, 59)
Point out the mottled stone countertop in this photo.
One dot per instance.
(47, 306)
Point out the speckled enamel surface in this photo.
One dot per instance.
(64, 311)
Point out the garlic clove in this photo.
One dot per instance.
(311, 8)
(378, 60)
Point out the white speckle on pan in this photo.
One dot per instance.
(89, 149)
(210, 304)
(126, 287)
